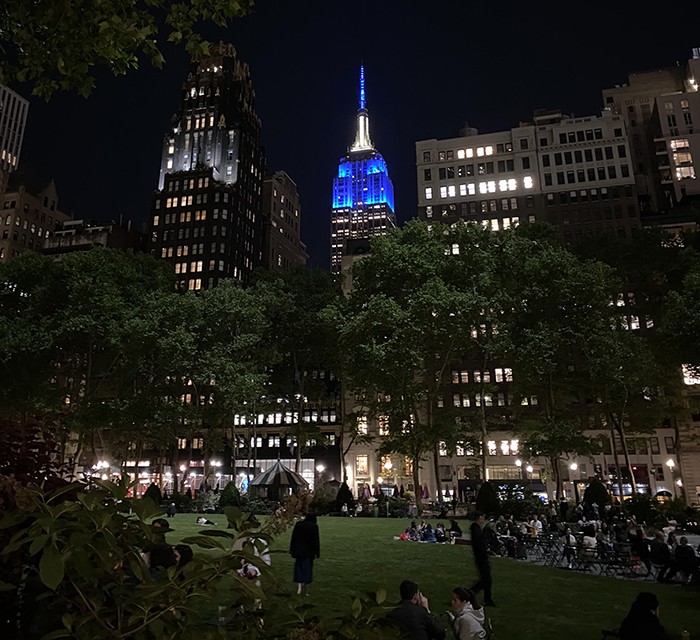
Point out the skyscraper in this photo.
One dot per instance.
(207, 216)
(363, 195)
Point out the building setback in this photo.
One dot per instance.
(363, 194)
(282, 211)
(207, 218)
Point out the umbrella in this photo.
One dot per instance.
(277, 481)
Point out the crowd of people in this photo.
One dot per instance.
(424, 532)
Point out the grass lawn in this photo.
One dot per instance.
(533, 602)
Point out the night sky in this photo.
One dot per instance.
(429, 67)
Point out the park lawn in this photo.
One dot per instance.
(533, 602)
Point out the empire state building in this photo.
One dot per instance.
(363, 194)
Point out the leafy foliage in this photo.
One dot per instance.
(597, 492)
(487, 499)
(77, 552)
(58, 46)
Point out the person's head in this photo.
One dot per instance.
(659, 536)
(183, 554)
(646, 601)
(162, 555)
(311, 517)
(479, 517)
(460, 595)
(408, 590)
(683, 541)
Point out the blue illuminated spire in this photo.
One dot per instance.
(362, 87)
(362, 139)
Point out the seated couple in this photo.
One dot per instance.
(416, 622)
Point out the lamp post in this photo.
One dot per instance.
(574, 467)
(320, 468)
(671, 464)
(519, 464)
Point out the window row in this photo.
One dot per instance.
(488, 400)
(471, 189)
(587, 175)
(188, 183)
(590, 195)
(480, 169)
(579, 156)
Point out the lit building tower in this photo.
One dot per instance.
(207, 216)
(13, 119)
(363, 195)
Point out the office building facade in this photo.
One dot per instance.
(282, 212)
(207, 218)
(363, 194)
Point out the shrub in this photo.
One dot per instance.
(74, 568)
(517, 501)
(398, 507)
(183, 502)
(597, 492)
(487, 499)
(344, 497)
(643, 507)
(232, 497)
(323, 499)
(260, 507)
(153, 492)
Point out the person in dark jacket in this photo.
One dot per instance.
(413, 617)
(305, 546)
(481, 558)
(642, 621)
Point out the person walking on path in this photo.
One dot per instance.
(481, 558)
(304, 546)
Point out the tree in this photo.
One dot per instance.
(680, 324)
(559, 303)
(403, 331)
(487, 499)
(58, 46)
(306, 373)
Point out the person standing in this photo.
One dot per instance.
(481, 558)
(304, 547)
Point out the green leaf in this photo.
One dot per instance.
(59, 633)
(51, 567)
(356, 608)
(6, 586)
(381, 596)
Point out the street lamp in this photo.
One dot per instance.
(671, 465)
(574, 467)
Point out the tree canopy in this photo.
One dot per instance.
(59, 45)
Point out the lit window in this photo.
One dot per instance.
(527, 182)
(492, 186)
(503, 185)
(471, 189)
(483, 188)
(451, 192)
(690, 377)
(512, 184)
(460, 154)
(505, 447)
(489, 151)
(443, 192)
(480, 151)
(491, 446)
(361, 465)
(462, 189)
(428, 193)
(442, 448)
(470, 153)
(514, 447)
(362, 425)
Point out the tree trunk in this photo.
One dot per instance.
(616, 458)
(417, 489)
(625, 452)
(436, 466)
(559, 483)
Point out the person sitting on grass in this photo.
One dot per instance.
(467, 616)
(413, 617)
(440, 533)
(202, 521)
(642, 621)
(428, 534)
(455, 530)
